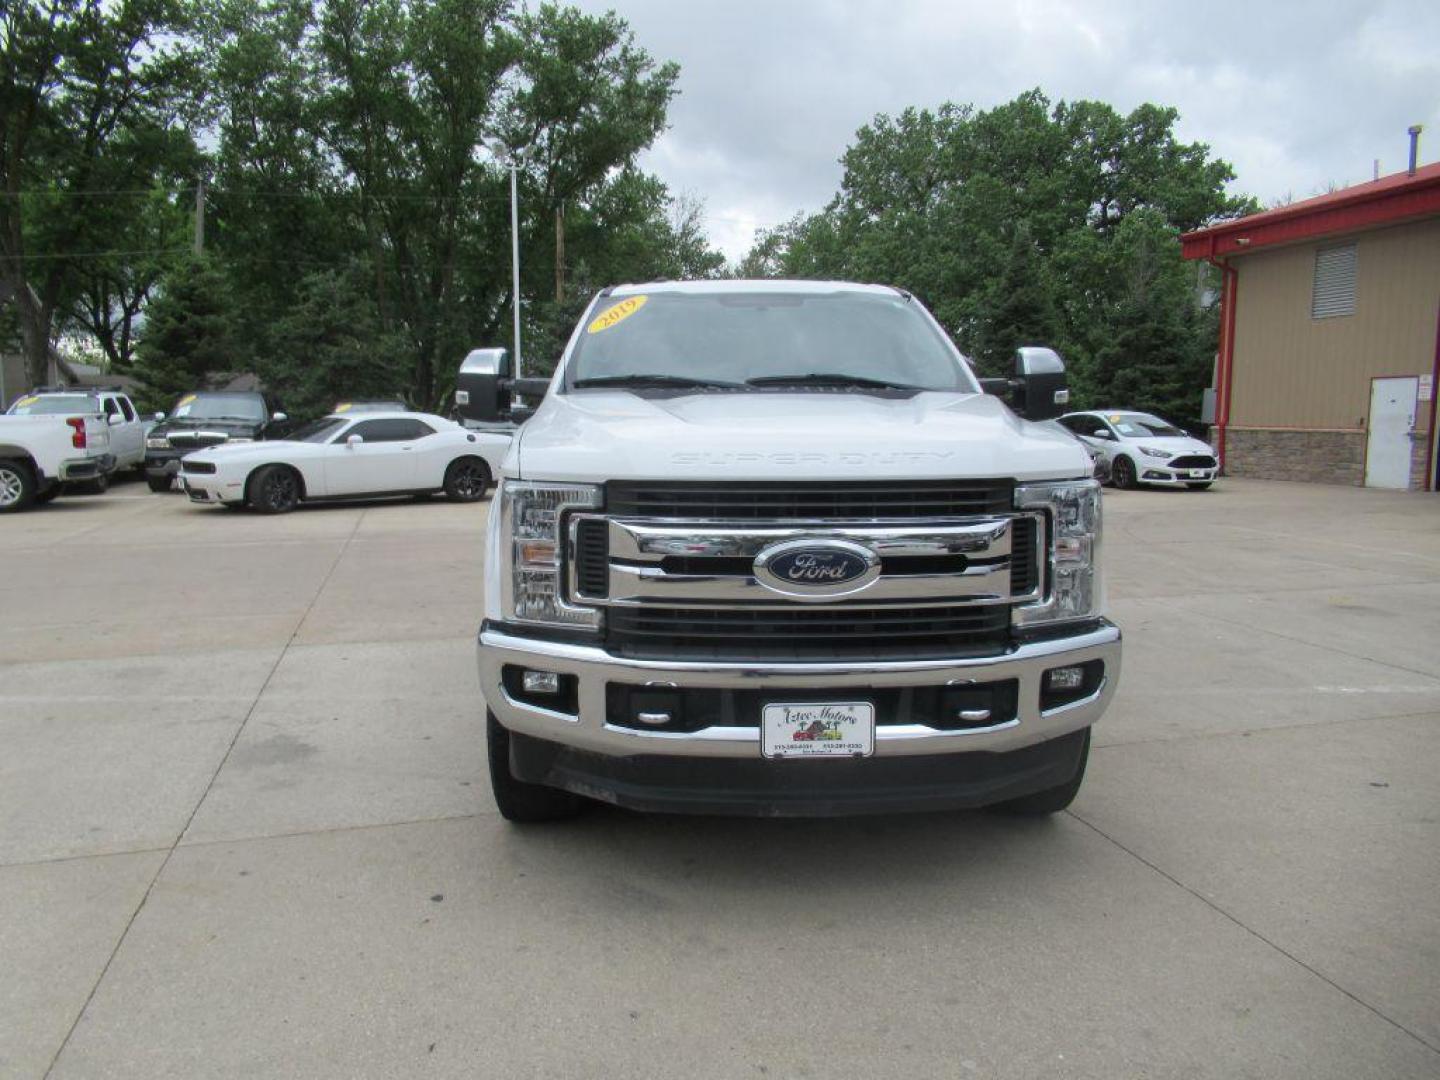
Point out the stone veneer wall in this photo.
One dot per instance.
(1322, 457)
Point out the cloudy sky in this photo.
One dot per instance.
(1295, 96)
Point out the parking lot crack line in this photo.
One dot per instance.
(261, 838)
(1166, 602)
(1235, 733)
(170, 852)
(1255, 933)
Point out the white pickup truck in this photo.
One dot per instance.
(66, 435)
(770, 547)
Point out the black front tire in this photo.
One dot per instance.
(48, 495)
(17, 486)
(158, 484)
(467, 479)
(1051, 800)
(1124, 474)
(98, 486)
(525, 804)
(275, 489)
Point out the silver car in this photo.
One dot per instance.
(1144, 449)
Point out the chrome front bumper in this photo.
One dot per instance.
(593, 667)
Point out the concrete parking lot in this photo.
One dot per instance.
(245, 829)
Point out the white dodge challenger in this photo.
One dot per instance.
(371, 455)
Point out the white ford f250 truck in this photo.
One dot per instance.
(768, 547)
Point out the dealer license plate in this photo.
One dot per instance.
(1197, 474)
(823, 729)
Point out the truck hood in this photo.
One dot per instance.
(597, 435)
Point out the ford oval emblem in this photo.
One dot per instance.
(816, 569)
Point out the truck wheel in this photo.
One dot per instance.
(518, 801)
(98, 486)
(275, 489)
(466, 480)
(1123, 473)
(17, 486)
(158, 483)
(1051, 800)
(48, 495)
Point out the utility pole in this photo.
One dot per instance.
(515, 253)
(560, 252)
(200, 215)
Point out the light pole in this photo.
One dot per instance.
(512, 160)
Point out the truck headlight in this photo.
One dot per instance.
(530, 545)
(1074, 588)
(158, 442)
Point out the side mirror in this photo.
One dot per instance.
(1101, 433)
(277, 417)
(481, 392)
(1041, 390)
(159, 416)
(116, 418)
(353, 441)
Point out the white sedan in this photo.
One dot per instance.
(373, 455)
(1143, 449)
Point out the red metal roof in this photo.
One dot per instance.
(1393, 198)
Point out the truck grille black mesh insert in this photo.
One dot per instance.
(830, 501)
(800, 633)
(592, 551)
(1024, 574)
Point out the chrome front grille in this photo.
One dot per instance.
(672, 583)
(705, 564)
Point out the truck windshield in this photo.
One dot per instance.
(220, 407)
(53, 404)
(672, 341)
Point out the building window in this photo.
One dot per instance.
(1334, 292)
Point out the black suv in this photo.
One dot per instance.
(207, 418)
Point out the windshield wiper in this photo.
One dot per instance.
(680, 382)
(829, 378)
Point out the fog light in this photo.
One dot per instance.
(540, 682)
(1065, 678)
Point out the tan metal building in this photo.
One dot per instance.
(1330, 335)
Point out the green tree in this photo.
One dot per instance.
(331, 344)
(90, 100)
(1010, 223)
(192, 333)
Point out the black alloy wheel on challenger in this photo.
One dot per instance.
(467, 479)
(275, 489)
(1124, 473)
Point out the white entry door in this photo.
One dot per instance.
(1392, 419)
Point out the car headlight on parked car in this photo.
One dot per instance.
(157, 442)
(1074, 587)
(1154, 452)
(532, 541)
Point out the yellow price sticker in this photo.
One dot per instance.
(186, 400)
(344, 406)
(616, 313)
(27, 400)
